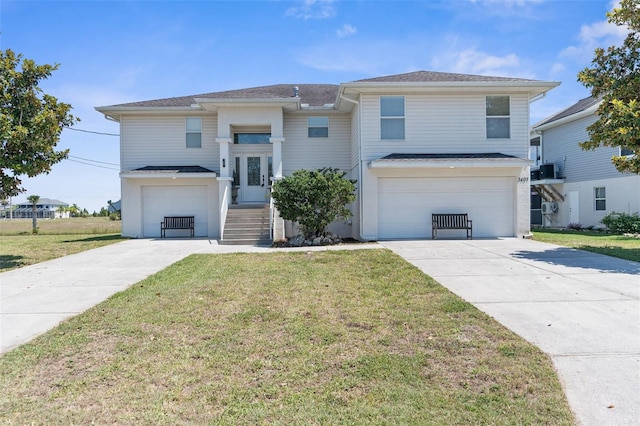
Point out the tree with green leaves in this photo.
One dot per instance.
(33, 199)
(615, 77)
(314, 199)
(30, 122)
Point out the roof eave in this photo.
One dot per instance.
(212, 104)
(115, 112)
(535, 87)
(578, 115)
(130, 174)
(447, 163)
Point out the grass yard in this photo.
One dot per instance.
(348, 337)
(612, 245)
(56, 238)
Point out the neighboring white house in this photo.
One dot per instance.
(417, 143)
(46, 208)
(576, 186)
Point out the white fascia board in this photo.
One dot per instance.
(165, 175)
(447, 164)
(116, 112)
(211, 104)
(534, 87)
(578, 115)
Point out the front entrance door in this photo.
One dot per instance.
(255, 178)
(574, 207)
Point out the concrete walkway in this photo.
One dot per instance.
(36, 298)
(581, 308)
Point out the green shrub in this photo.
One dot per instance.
(314, 199)
(622, 223)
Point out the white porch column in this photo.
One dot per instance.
(278, 222)
(277, 156)
(225, 161)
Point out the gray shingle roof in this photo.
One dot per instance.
(463, 156)
(174, 169)
(433, 76)
(312, 94)
(581, 105)
(317, 94)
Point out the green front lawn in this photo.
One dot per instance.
(598, 242)
(56, 238)
(337, 337)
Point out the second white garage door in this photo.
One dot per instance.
(161, 201)
(405, 205)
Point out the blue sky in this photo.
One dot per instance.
(113, 52)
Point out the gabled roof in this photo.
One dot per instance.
(581, 106)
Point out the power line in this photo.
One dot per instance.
(94, 165)
(94, 161)
(91, 131)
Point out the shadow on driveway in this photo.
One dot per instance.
(574, 258)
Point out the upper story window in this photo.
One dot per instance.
(498, 111)
(318, 127)
(600, 196)
(251, 138)
(392, 117)
(194, 132)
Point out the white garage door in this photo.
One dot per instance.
(161, 201)
(405, 206)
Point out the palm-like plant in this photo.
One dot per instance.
(33, 199)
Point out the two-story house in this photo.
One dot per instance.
(573, 186)
(46, 208)
(417, 143)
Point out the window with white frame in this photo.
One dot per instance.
(318, 127)
(498, 114)
(600, 196)
(392, 117)
(194, 132)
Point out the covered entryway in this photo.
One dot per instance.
(160, 201)
(405, 205)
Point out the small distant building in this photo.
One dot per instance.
(45, 209)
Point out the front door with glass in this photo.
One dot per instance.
(255, 177)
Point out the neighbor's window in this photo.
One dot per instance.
(194, 132)
(600, 198)
(391, 117)
(318, 127)
(626, 152)
(498, 117)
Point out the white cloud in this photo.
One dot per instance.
(557, 68)
(313, 9)
(471, 61)
(598, 34)
(346, 31)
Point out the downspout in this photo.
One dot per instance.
(360, 206)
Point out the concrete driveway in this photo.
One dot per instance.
(581, 308)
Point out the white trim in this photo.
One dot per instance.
(447, 163)
(132, 174)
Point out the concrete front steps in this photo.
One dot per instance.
(247, 224)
